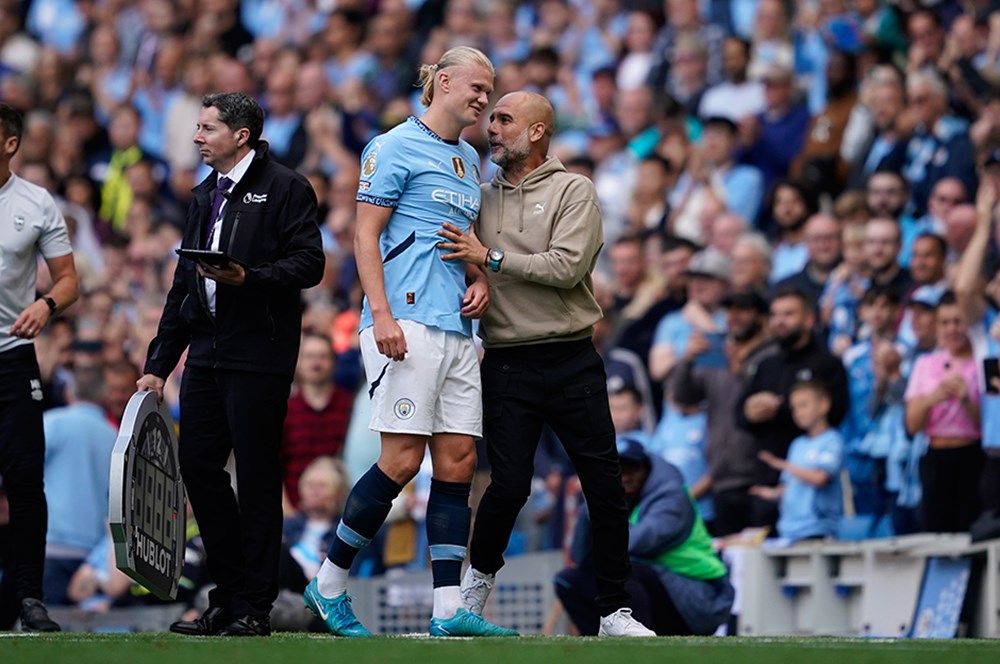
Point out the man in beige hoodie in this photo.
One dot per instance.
(542, 231)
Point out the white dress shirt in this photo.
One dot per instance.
(239, 170)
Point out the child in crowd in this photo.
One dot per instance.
(810, 495)
(843, 291)
(627, 412)
(680, 438)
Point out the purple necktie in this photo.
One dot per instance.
(221, 187)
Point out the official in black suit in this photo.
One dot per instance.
(241, 325)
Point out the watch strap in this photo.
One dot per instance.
(494, 263)
(50, 302)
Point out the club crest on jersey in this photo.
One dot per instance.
(459, 166)
(19, 222)
(368, 168)
(404, 409)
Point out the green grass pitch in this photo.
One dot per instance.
(78, 648)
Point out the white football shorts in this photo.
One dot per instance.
(435, 389)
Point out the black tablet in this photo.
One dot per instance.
(217, 259)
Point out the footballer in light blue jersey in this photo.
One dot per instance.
(420, 360)
(427, 180)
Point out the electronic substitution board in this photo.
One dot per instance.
(147, 502)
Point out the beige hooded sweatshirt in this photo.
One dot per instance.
(549, 226)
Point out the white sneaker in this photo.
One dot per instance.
(621, 623)
(476, 588)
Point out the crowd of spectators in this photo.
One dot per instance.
(792, 190)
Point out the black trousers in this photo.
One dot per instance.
(242, 412)
(9, 606)
(565, 386)
(989, 483)
(950, 479)
(22, 463)
(651, 604)
(734, 511)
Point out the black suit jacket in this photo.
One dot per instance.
(270, 225)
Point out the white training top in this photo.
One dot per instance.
(30, 224)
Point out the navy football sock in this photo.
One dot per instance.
(364, 513)
(448, 517)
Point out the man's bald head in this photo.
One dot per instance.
(959, 225)
(532, 107)
(521, 126)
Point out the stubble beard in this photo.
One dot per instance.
(747, 332)
(791, 339)
(514, 155)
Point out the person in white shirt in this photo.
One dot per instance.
(30, 224)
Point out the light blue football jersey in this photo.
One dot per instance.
(427, 181)
(806, 510)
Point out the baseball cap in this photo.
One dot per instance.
(629, 449)
(776, 73)
(618, 382)
(746, 300)
(709, 263)
(925, 296)
(720, 121)
(606, 70)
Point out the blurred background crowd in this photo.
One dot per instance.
(740, 149)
